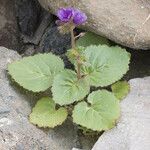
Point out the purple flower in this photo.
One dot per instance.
(65, 14)
(79, 17)
(71, 15)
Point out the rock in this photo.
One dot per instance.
(16, 132)
(132, 131)
(125, 22)
(8, 25)
(29, 50)
(54, 41)
(32, 20)
(47, 19)
(28, 15)
(139, 65)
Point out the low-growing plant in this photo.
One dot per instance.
(96, 65)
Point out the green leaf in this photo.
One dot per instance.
(100, 114)
(44, 114)
(121, 89)
(67, 88)
(91, 39)
(105, 65)
(36, 73)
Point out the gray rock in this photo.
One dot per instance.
(29, 50)
(47, 19)
(28, 14)
(124, 21)
(8, 25)
(139, 65)
(132, 131)
(32, 20)
(54, 41)
(16, 133)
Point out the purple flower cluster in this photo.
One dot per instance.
(71, 15)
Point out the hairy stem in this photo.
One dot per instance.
(78, 68)
(73, 44)
(73, 39)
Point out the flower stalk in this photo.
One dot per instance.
(72, 17)
(73, 45)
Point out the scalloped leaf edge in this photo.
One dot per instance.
(40, 126)
(35, 91)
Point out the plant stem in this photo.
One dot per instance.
(73, 44)
(73, 39)
(78, 68)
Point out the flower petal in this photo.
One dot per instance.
(65, 14)
(79, 17)
(71, 14)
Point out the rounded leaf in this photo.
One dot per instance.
(105, 65)
(100, 114)
(67, 88)
(44, 114)
(91, 39)
(36, 73)
(121, 89)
